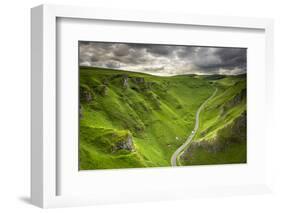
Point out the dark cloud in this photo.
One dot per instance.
(121, 50)
(161, 50)
(211, 59)
(234, 57)
(164, 59)
(112, 64)
(186, 51)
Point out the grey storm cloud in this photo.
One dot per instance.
(164, 59)
(121, 49)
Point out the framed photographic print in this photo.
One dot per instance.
(157, 105)
(137, 106)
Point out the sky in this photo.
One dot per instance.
(164, 59)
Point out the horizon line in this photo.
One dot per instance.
(149, 73)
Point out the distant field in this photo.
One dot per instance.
(134, 120)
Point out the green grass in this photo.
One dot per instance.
(158, 113)
(216, 126)
(228, 146)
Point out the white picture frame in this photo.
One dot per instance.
(44, 155)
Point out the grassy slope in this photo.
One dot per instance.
(216, 122)
(154, 112)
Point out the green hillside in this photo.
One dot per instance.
(221, 137)
(132, 120)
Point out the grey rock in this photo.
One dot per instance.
(138, 80)
(236, 99)
(125, 144)
(125, 81)
(85, 95)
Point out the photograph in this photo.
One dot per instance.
(161, 105)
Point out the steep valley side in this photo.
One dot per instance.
(134, 120)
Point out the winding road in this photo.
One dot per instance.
(190, 137)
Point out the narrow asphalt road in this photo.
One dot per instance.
(189, 139)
